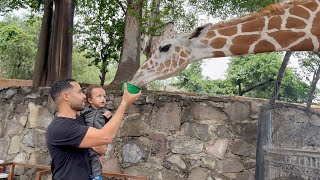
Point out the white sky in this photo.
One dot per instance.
(215, 68)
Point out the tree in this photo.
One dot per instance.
(54, 55)
(256, 75)
(277, 83)
(192, 80)
(131, 46)
(99, 31)
(310, 63)
(17, 47)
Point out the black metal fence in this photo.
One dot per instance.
(288, 144)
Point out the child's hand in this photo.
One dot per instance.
(107, 114)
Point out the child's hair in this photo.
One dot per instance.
(89, 91)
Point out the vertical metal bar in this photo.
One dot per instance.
(264, 142)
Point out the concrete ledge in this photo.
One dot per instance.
(14, 82)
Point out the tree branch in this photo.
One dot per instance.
(122, 7)
(280, 76)
(255, 86)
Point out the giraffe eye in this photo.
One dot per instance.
(165, 48)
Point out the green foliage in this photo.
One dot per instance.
(309, 63)
(192, 80)
(99, 30)
(85, 73)
(251, 70)
(170, 11)
(18, 41)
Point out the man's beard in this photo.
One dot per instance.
(78, 107)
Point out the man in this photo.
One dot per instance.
(68, 137)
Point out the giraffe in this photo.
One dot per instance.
(291, 26)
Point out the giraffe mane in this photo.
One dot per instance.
(269, 10)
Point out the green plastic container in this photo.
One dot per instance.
(133, 89)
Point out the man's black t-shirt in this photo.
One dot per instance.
(63, 139)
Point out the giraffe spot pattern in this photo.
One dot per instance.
(295, 23)
(204, 41)
(218, 43)
(177, 49)
(258, 25)
(161, 67)
(228, 31)
(241, 44)
(247, 39)
(210, 34)
(299, 11)
(315, 30)
(264, 46)
(305, 45)
(219, 54)
(311, 5)
(275, 23)
(181, 61)
(183, 54)
(285, 37)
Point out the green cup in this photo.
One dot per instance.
(132, 89)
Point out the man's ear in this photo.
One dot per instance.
(64, 96)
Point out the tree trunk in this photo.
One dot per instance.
(40, 73)
(148, 38)
(131, 46)
(103, 69)
(54, 54)
(61, 57)
(280, 76)
(315, 79)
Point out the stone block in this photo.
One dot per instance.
(200, 112)
(218, 149)
(198, 174)
(111, 165)
(209, 162)
(176, 161)
(133, 125)
(238, 111)
(133, 152)
(245, 175)
(243, 149)
(199, 131)
(14, 146)
(231, 165)
(186, 145)
(39, 117)
(158, 145)
(13, 128)
(166, 118)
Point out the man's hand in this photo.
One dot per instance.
(101, 150)
(128, 98)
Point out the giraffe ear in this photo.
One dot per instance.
(198, 31)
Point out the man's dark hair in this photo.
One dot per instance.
(60, 85)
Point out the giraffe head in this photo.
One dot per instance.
(173, 56)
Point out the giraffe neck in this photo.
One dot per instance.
(293, 29)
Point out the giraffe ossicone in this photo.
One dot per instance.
(290, 26)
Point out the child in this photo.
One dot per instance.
(96, 115)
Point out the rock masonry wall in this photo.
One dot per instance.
(165, 136)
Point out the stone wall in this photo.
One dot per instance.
(165, 136)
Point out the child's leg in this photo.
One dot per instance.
(96, 169)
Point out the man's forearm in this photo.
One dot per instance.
(110, 129)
